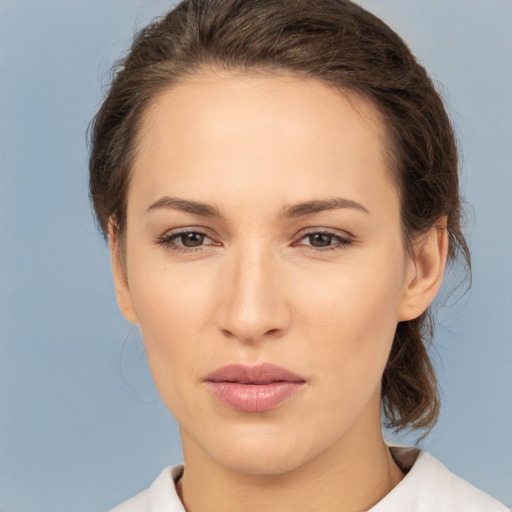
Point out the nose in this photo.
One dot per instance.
(253, 305)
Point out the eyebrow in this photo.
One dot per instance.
(185, 205)
(312, 207)
(297, 210)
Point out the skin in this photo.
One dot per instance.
(255, 289)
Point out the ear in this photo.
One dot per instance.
(124, 298)
(425, 272)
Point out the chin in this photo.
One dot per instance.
(260, 463)
(260, 453)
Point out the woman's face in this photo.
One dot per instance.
(263, 228)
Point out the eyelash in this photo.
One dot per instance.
(341, 242)
(168, 241)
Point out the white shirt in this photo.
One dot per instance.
(427, 487)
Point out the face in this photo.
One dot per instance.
(265, 266)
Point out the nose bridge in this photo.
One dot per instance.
(253, 305)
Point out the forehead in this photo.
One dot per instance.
(218, 133)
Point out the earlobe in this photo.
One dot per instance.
(124, 298)
(426, 271)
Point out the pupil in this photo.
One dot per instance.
(192, 239)
(320, 240)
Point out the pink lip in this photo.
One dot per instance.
(253, 388)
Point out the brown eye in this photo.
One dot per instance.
(320, 239)
(191, 239)
(186, 241)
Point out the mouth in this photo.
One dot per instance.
(253, 388)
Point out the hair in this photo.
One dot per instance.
(333, 41)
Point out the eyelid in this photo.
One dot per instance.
(168, 238)
(327, 231)
(321, 228)
(344, 239)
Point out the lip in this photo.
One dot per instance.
(253, 388)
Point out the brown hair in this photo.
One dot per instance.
(341, 44)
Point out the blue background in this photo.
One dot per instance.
(81, 424)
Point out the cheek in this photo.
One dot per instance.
(172, 311)
(169, 298)
(352, 313)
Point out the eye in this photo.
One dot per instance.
(320, 239)
(186, 240)
(323, 241)
(191, 239)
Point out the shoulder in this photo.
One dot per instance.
(160, 496)
(429, 485)
(137, 503)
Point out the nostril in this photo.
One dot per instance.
(268, 334)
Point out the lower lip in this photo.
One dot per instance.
(254, 397)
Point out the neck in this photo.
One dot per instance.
(352, 476)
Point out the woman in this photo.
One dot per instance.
(278, 184)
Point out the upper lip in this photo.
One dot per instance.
(264, 373)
